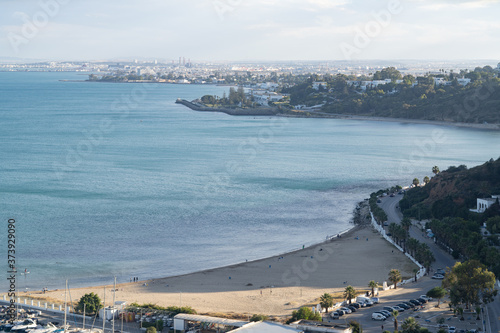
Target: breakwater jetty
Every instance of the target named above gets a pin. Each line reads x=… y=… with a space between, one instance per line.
x=233 y=112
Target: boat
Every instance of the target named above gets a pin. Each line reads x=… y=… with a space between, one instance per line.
x=25 y=325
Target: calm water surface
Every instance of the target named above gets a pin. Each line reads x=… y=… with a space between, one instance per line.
x=111 y=179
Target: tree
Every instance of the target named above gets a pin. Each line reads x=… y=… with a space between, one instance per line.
x=437 y=292
x=395 y=277
x=304 y=313
x=326 y=301
x=258 y=317
x=426 y=180
x=151 y=329
x=416 y=181
x=435 y=169
x=406 y=223
x=470 y=283
x=355 y=327
x=92 y=303
x=395 y=314
x=410 y=325
x=372 y=284
x=350 y=293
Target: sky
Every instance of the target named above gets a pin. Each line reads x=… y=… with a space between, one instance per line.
x=246 y=30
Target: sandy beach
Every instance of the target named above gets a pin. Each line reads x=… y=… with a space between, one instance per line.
x=274 y=286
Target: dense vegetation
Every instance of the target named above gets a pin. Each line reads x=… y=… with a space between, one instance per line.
x=446 y=201
x=170 y=309
x=476 y=102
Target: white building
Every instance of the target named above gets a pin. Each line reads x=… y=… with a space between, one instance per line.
x=264 y=97
x=484 y=204
x=271 y=86
x=463 y=81
x=265 y=327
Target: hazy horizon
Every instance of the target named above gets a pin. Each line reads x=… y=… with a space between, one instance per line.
x=260 y=31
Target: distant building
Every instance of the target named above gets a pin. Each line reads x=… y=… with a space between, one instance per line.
x=463 y=81
x=484 y=204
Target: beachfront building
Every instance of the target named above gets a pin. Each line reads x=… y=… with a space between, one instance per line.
x=484 y=204
x=265 y=327
x=317 y=326
x=182 y=320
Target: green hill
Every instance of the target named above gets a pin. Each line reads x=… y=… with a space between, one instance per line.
x=453 y=192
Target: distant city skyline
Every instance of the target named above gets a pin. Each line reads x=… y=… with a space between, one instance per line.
x=258 y=30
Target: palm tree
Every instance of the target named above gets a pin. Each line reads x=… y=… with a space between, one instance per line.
x=372 y=284
x=395 y=314
x=435 y=169
x=395 y=277
x=350 y=293
x=410 y=325
x=406 y=223
x=426 y=180
x=326 y=301
x=416 y=181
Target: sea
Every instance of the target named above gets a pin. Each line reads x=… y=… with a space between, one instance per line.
x=110 y=180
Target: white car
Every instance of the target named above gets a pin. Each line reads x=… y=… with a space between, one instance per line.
x=378 y=316
x=427 y=298
x=438 y=276
x=452 y=329
x=345 y=309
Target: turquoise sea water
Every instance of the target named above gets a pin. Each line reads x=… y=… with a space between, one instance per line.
x=111 y=179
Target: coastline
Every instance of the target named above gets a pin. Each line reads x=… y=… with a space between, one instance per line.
x=275 y=285
x=316 y=114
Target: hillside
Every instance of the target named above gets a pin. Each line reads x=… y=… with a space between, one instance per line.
x=453 y=192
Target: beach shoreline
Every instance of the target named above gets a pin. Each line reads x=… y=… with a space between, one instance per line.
x=275 y=285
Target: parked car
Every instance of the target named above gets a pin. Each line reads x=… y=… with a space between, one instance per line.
x=356 y=305
x=422 y=300
x=341 y=312
x=392 y=195
x=334 y=315
x=411 y=305
x=426 y=297
x=388 y=308
x=378 y=316
x=452 y=329
x=404 y=306
x=399 y=309
x=415 y=302
x=438 y=276
x=352 y=308
x=346 y=309
x=386 y=313
x=440 y=271
x=375 y=300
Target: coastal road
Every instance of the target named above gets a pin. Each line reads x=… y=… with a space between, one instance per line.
x=390 y=205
